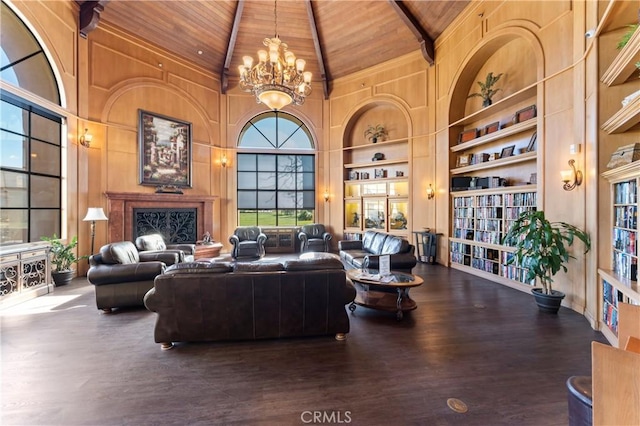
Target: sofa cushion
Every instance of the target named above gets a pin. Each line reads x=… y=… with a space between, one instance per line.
x=199 y=268
x=151 y=242
x=394 y=245
x=312 y=264
x=377 y=242
x=351 y=255
x=257 y=267
x=367 y=239
x=122 y=252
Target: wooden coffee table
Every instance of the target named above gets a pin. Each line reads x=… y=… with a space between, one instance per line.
x=390 y=293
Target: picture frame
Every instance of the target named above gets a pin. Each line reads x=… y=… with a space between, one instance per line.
x=464 y=160
x=507 y=151
x=493 y=127
x=380 y=173
x=532 y=142
x=165 y=149
x=525 y=114
x=467 y=135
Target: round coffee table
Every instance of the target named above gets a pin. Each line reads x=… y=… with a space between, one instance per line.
x=385 y=293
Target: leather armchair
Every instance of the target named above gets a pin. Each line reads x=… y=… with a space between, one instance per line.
x=155 y=243
x=247 y=241
x=122 y=275
x=314 y=237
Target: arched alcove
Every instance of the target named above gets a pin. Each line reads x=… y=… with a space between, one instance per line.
x=375 y=113
x=514 y=52
x=493 y=152
x=377 y=175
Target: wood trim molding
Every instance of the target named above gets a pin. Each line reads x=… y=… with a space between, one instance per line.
x=231 y=46
x=426 y=42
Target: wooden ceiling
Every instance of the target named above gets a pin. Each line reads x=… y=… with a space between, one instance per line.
x=335 y=37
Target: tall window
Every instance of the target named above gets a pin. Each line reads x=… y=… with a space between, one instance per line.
x=30 y=139
x=276 y=188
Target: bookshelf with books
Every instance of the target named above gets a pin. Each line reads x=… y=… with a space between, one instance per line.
x=480 y=221
x=619 y=279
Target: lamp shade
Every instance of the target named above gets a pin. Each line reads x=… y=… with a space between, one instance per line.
x=95 y=213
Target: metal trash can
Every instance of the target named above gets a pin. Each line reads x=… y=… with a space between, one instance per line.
x=580 y=401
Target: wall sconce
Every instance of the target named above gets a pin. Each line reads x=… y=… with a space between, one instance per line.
x=571 y=178
x=93 y=214
x=223 y=161
x=430 y=193
x=86 y=138
x=326 y=196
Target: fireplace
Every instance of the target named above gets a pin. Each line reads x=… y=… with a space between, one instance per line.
x=181 y=218
x=176 y=225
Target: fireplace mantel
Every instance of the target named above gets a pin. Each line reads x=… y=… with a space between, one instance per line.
x=122 y=204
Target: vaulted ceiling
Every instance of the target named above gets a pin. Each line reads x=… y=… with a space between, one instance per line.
x=335 y=37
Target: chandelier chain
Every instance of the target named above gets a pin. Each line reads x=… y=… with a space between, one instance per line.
x=275 y=17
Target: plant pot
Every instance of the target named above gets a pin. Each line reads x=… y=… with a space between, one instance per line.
x=486 y=102
x=549 y=303
x=374 y=140
x=62 y=277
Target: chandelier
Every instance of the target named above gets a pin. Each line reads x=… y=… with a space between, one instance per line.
x=278 y=78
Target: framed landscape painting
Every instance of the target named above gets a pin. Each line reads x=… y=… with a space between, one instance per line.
x=165 y=150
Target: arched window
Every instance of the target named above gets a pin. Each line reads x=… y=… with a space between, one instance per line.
x=276 y=178
x=30 y=139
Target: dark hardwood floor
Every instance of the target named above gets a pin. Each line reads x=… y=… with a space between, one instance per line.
x=64 y=363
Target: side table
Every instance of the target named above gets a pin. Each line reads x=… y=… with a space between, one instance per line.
x=207 y=250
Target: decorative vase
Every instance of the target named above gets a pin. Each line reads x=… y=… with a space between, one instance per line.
x=62 y=278
x=486 y=102
x=549 y=303
x=374 y=139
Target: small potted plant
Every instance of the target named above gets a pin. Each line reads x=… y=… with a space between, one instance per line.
x=486 y=89
x=542 y=248
x=373 y=133
x=62 y=257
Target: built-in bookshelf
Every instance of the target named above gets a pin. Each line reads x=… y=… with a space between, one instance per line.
x=376 y=179
x=481 y=218
x=618 y=281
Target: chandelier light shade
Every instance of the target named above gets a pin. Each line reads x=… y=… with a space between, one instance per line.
x=278 y=79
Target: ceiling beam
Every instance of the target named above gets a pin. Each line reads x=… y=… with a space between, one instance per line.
x=90 y=16
x=316 y=43
x=426 y=43
x=231 y=46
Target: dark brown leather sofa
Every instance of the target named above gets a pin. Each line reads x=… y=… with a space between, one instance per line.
x=204 y=301
x=122 y=275
x=366 y=253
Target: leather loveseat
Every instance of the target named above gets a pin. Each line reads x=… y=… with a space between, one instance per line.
x=203 y=301
x=155 y=243
x=366 y=253
x=122 y=276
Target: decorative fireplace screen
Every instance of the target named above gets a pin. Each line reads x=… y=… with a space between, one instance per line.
x=176 y=225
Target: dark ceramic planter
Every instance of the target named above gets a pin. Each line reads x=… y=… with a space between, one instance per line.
x=549 y=303
x=62 y=278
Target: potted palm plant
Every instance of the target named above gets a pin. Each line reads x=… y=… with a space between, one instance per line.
x=62 y=257
x=542 y=248
x=374 y=133
x=486 y=89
